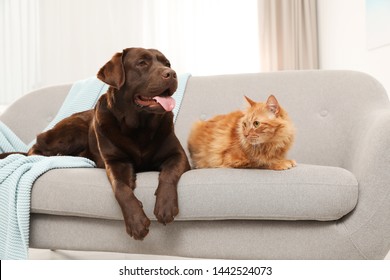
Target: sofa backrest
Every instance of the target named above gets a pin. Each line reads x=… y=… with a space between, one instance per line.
x=328 y=108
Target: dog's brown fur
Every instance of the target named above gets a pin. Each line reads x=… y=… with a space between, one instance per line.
x=128 y=132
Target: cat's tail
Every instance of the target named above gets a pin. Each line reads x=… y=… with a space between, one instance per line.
x=4 y=155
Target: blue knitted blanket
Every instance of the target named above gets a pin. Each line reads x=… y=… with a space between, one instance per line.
x=18 y=172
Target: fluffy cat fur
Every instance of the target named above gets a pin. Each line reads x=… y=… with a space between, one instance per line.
x=256 y=138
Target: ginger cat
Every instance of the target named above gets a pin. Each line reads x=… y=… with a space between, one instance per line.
x=256 y=138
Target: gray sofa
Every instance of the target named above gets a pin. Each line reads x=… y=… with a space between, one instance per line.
x=334 y=205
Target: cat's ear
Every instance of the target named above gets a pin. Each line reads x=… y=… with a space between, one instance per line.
x=250 y=101
x=273 y=105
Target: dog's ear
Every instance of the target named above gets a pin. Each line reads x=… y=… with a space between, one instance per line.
x=113 y=72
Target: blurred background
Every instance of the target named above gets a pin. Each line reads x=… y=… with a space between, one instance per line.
x=46 y=42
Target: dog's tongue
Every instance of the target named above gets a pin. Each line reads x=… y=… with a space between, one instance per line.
x=168 y=103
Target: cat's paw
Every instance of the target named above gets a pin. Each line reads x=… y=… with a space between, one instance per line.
x=283 y=165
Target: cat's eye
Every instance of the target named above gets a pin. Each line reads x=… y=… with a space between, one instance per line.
x=256 y=124
x=244 y=124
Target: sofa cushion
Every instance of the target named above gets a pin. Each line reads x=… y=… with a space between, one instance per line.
x=306 y=192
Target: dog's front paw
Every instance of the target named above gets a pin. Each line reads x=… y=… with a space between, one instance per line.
x=138 y=228
x=137 y=224
x=166 y=208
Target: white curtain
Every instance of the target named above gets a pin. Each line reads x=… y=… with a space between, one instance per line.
x=74 y=38
x=288 y=34
x=19 y=48
x=206 y=37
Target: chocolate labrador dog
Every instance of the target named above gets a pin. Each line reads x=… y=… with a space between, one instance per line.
x=130 y=130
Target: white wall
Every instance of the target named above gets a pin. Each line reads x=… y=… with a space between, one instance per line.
x=342 y=40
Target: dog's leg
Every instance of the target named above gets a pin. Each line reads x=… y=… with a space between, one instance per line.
x=122 y=177
x=166 y=207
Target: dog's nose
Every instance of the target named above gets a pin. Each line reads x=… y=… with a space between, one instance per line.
x=169 y=74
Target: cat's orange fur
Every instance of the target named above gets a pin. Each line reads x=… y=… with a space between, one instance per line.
x=256 y=138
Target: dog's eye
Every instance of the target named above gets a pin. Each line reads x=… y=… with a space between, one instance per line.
x=142 y=63
x=168 y=64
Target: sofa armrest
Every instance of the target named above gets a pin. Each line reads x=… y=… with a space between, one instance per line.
x=369 y=224
x=40 y=105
